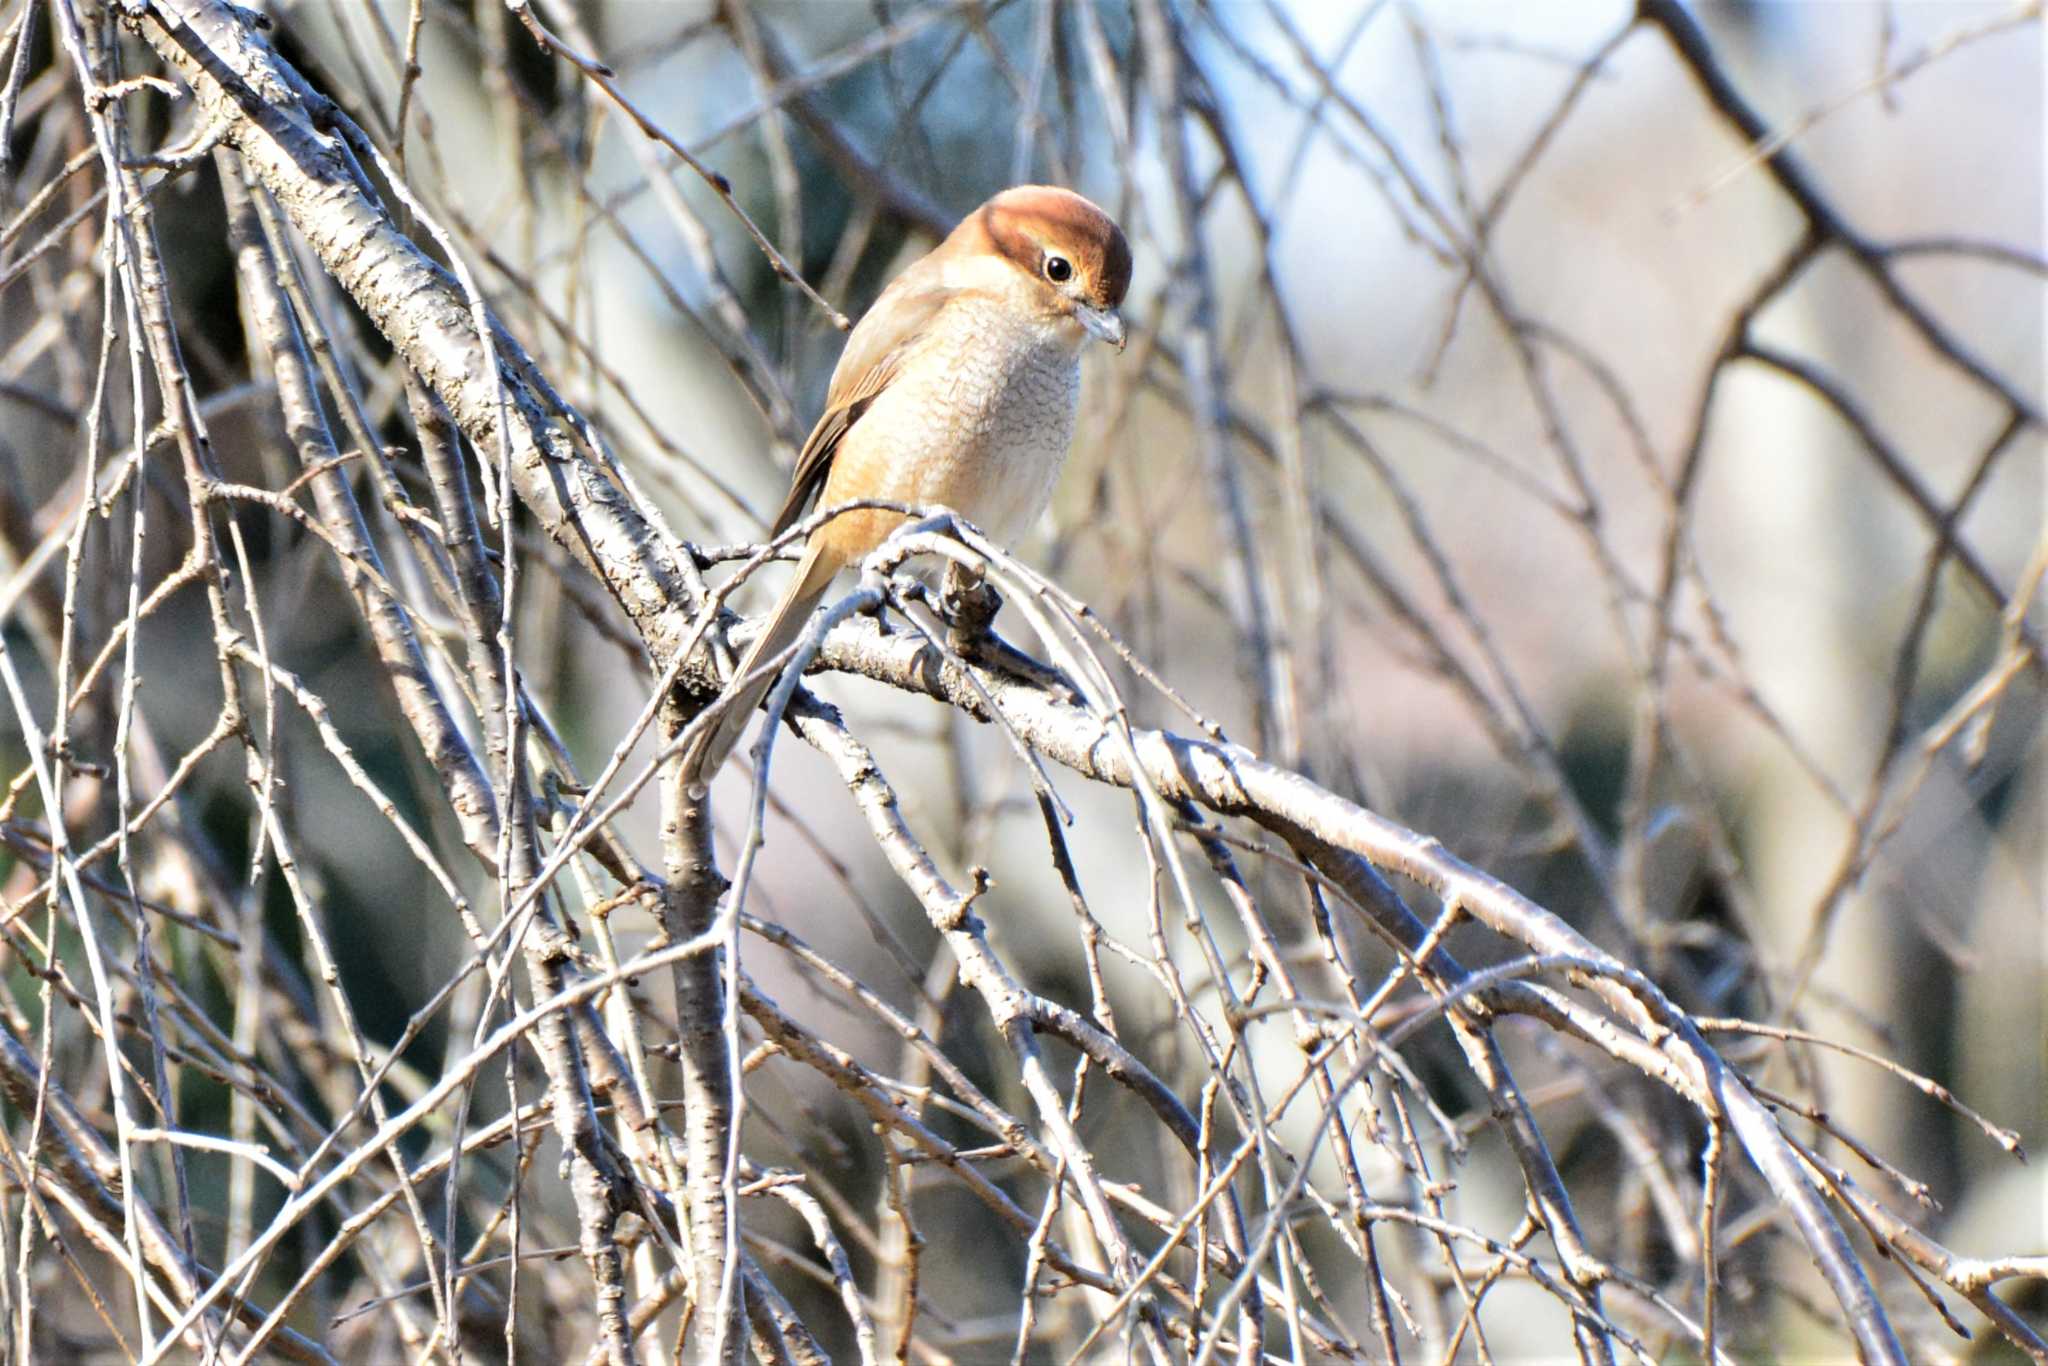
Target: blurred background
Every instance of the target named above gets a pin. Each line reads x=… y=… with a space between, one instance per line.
x=1507 y=442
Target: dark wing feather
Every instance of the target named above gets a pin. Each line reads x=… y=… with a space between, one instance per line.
x=874 y=353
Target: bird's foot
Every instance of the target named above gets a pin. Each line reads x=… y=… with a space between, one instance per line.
x=969 y=603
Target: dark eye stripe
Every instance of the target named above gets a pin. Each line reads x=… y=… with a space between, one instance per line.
x=1018 y=222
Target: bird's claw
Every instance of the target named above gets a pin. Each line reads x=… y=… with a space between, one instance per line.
x=969 y=603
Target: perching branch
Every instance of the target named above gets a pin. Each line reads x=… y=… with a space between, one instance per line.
x=1482 y=731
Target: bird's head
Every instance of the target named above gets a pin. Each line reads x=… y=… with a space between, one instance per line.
x=1072 y=256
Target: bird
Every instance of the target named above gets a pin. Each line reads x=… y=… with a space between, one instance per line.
x=957 y=390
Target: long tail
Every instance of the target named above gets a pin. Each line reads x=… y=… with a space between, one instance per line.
x=814 y=572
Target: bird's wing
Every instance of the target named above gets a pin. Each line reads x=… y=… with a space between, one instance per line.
x=874 y=354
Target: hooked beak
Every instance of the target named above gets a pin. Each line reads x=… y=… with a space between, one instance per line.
x=1103 y=324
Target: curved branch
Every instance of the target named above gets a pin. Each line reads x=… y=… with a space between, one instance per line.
x=1231 y=781
x=284 y=132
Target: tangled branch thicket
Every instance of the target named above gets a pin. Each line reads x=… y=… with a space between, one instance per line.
x=1603 y=450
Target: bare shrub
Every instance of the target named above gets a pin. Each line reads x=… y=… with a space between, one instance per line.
x=1505 y=813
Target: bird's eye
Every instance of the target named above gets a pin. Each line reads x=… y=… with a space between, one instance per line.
x=1058 y=269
